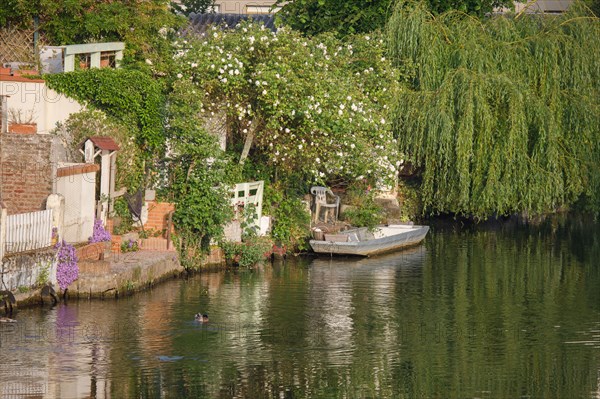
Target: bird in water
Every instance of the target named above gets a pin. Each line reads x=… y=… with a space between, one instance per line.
x=7 y=320
x=202 y=318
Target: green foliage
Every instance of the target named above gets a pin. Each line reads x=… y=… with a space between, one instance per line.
x=313 y=17
x=348 y=17
x=365 y=212
x=187 y=7
x=130 y=97
x=502 y=115
x=291 y=220
x=149 y=233
x=475 y=7
x=199 y=183
x=130 y=246
x=87 y=123
x=43 y=275
x=249 y=221
x=310 y=107
x=121 y=211
x=248 y=253
x=144 y=26
x=410 y=201
x=594 y=5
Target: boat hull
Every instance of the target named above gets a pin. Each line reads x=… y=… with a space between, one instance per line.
x=386 y=239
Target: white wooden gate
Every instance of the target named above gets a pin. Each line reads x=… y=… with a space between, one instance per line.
x=249 y=193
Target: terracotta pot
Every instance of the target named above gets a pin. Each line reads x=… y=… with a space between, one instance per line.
x=22 y=72
x=4 y=71
x=22 y=128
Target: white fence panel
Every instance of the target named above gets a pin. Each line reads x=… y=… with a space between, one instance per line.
x=249 y=193
x=28 y=231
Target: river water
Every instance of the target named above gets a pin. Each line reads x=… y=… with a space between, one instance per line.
x=495 y=311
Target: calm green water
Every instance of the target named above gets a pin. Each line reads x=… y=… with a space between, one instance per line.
x=494 y=312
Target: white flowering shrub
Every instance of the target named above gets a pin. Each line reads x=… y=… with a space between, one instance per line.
x=317 y=106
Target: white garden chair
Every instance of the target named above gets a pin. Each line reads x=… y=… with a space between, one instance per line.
x=321 y=202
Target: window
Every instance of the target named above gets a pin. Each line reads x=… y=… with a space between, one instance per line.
x=108 y=59
x=85 y=61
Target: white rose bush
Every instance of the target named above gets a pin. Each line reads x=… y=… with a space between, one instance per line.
x=314 y=107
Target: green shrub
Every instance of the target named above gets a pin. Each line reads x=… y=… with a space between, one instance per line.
x=291 y=221
x=365 y=212
x=121 y=211
x=130 y=246
x=247 y=253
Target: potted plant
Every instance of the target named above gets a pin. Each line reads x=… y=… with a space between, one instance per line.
x=21 y=122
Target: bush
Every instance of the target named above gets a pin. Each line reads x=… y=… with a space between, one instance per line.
x=130 y=246
x=67 y=269
x=291 y=221
x=365 y=212
x=99 y=233
x=248 y=253
x=121 y=210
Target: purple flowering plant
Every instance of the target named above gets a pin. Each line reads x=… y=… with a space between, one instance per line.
x=130 y=246
x=67 y=269
x=100 y=234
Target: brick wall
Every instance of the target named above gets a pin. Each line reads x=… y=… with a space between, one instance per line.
x=157 y=215
x=25 y=171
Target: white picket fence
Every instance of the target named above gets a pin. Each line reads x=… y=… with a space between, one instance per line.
x=28 y=231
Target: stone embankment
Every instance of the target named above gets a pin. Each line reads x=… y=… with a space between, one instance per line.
x=118 y=273
x=124 y=273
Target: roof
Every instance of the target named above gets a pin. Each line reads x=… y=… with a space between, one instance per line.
x=200 y=23
x=104 y=143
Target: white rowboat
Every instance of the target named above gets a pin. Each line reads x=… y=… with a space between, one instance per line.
x=362 y=242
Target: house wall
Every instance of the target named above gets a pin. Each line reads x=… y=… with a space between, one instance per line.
x=32 y=96
x=240 y=6
x=547 y=6
x=26 y=171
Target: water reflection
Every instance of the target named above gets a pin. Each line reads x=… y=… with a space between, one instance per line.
x=492 y=312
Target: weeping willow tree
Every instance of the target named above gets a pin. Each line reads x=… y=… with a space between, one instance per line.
x=500 y=115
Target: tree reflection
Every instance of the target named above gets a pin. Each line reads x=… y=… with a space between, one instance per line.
x=501 y=311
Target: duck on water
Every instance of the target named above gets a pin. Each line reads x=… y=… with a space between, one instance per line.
x=202 y=318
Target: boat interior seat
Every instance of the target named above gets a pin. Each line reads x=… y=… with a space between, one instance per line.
x=353 y=237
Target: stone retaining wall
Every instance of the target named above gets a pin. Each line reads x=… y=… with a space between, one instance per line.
x=124 y=273
x=23 y=271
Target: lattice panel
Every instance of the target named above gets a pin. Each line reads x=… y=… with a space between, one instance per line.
x=17 y=46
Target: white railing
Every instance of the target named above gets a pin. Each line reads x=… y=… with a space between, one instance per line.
x=28 y=231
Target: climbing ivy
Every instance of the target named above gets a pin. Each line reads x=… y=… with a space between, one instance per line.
x=130 y=97
x=501 y=115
